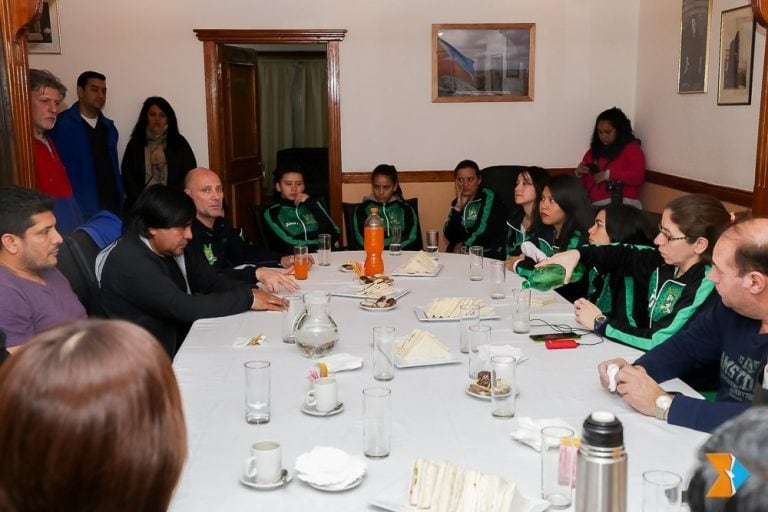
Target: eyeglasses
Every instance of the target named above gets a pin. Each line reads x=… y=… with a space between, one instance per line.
x=670 y=238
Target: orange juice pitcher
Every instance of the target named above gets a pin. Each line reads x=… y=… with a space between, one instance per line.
x=374 y=243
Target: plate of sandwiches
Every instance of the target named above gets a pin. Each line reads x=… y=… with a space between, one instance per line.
x=421 y=265
x=422 y=348
x=444 y=487
x=448 y=309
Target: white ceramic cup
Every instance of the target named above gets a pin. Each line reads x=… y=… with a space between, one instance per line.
x=324 y=394
x=265 y=465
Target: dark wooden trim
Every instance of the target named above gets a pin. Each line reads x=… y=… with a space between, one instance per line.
x=424 y=176
x=760 y=196
x=689 y=186
x=211 y=38
x=15 y=16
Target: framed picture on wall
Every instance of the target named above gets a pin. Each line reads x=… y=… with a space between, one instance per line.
x=737 y=51
x=43 y=35
x=482 y=62
x=694 y=54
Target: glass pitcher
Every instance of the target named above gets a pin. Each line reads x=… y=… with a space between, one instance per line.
x=316 y=332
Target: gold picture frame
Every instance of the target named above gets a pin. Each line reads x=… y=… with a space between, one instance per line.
x=737 y=55
x=44 y=35
x=483 y=62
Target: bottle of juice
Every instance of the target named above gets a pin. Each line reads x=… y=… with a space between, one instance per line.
x=551 y=276
x=373 y=242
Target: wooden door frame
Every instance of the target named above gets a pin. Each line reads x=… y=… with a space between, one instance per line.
x=212 y=38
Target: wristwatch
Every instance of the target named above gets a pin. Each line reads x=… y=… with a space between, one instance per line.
x=600 y=322
x=663 y=403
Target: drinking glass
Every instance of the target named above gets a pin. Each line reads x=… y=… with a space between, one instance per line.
x=469 y=315
x=433 y=243
x=503 y=386
x=290 y=317
x=324 y=249
x=558 y=457
x=383 y=353
x=498 y=279
x=376 y=422
x=257 y=391
x=478 y=335
x=662 y=491
x=476 y=263
x=395 y=239
x=521 y=319
x=300 y=262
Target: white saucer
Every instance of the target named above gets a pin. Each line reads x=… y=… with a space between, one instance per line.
x=310 y=409
x=485 y=397
x=331 y=488
x=375 y=308
x=266 y=487
x=342 y=269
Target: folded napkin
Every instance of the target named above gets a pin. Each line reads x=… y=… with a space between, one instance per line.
x=486 y=352
x=341 y=362
x=329 y=467
x=529 y=430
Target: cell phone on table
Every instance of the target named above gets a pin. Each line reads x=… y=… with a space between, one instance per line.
x=555 y=336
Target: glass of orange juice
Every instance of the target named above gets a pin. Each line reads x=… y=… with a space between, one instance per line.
x=300 y=262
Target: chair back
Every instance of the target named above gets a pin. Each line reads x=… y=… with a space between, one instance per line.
x=349 y=225
x=502 y=179
x=77 y=261
x=262 y=240
x=418 y=245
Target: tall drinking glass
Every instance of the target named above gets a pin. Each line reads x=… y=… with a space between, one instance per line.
x=433 y=243
x=395 y=239
x=469 y=315
x=476 y=263
x=503 y=386
x=498 y=279
x=383 y=353
x=558 y=457
x=257 y=391
x=324 y=249
x=521 y=319
x=376 y=422
x=662 y=491
x=300 y=262
x=478 y=335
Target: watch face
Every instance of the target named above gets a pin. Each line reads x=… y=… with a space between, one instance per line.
x=664 y=401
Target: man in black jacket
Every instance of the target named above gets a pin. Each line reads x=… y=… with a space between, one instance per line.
x=149 y=278
x=224 y=247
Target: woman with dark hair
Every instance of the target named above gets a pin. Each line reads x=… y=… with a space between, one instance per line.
x=476 y=216
x=296 y=218
x=528 y=189
x=565 y=215
x=156 y=153
x=92 y=420
x=388 y=198
x=614 y=159
x=614 y=293
x=675 y=272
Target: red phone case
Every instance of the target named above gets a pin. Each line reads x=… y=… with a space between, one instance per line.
x=558 y=344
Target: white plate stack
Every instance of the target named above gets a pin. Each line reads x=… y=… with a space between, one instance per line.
x=330 y=469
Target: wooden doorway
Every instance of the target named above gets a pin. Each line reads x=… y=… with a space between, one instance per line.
x=239 y=185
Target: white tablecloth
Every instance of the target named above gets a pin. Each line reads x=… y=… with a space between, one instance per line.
x=432 y=415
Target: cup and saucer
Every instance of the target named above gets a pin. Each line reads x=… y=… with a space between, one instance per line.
x=264 y=469
x=322 y=399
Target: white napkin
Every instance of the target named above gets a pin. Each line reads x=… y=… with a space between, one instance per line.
x=486 y=352
x=329 y=467
x=342 y=361
x=529 y=430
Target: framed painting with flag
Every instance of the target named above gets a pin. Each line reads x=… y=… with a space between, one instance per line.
x=482 y=62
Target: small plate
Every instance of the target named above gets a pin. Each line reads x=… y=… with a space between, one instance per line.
x=310 y=409
x=401 y=273
x=287 y=476
x=331 y=488
x=374 y=308
x=485 y=397
x=422 y=316
x=353 y=292
x=425 y=362
x=344 y=268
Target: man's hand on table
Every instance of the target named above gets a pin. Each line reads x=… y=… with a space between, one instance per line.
x=264 y=300
x=634 y=385
x=273 y=278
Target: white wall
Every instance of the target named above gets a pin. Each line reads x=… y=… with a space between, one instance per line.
x=586 y=61
x=689 y=134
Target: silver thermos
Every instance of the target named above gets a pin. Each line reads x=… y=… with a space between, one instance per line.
x=601 y=467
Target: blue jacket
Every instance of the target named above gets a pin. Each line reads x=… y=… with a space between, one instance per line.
x=74 y=147
x=717 y=338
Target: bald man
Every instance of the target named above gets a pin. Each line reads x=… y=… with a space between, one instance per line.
x=225 y=247
x=733 y=335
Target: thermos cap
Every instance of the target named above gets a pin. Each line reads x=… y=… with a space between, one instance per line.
x=603 y=430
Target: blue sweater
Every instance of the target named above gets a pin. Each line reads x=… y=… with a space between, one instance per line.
x=70 y=134
x=717 y=336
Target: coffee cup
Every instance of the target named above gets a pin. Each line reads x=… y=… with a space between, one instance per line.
x=265 y=465
x=323 y=396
